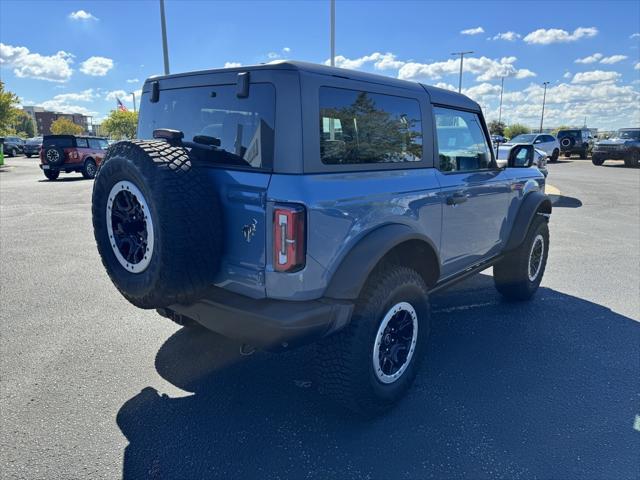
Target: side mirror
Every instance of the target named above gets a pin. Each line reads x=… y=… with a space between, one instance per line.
x=521 y=156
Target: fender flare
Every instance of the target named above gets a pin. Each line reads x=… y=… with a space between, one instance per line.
x=533 y=203
x=354 y=270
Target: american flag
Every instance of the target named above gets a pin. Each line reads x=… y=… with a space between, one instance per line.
x=121 y=106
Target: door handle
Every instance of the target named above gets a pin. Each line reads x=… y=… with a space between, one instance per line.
x=456 y=199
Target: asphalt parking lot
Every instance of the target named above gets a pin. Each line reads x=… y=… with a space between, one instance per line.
x=92 y=387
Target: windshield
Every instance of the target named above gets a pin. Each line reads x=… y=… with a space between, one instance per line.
x=629 y=134
x=523 y=139
x=244 y=126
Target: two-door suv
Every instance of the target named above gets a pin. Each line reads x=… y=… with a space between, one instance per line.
x=288 y=203
x=579 y=141
x=70 y=153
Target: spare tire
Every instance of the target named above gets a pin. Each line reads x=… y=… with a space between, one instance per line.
x=157 y=223
x=54 y=155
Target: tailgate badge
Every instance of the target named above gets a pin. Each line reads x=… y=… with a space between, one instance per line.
x=249 y=230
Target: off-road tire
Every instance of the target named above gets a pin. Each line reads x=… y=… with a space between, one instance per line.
x=185 y=213
x=554 y=155
x=344 y=361
x=511 y=274
x=51 y=174
x=583 y=154
x=567 y=154
x=597 y=160
x=89 y=169
x=60 y=158
x=28 y=155
x=633 y=160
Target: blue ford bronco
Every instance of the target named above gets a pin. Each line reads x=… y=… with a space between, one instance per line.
x=290 y=203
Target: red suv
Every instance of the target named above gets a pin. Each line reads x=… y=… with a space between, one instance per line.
x=69 y=153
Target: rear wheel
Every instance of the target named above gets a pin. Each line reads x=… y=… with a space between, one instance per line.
x=90 y=169
x=52 y=174
x=28 y=155
x=583 y=154
x=567 y=154
x=597 y=160
x=368 y=366
x=518 y=275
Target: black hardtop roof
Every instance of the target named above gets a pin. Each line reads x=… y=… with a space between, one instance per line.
x=71 y=136
x=438 y=95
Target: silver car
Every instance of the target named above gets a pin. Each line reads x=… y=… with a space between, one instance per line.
x=541 y=141
x=539 y=158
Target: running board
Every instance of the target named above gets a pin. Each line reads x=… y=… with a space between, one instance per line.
x=473 y=269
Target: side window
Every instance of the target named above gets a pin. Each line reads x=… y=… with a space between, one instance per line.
x=359 y=127
x=82 y=143
x=94 y=144
x=462 y=145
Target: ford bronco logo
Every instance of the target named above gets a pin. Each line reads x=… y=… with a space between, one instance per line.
x=249 y=230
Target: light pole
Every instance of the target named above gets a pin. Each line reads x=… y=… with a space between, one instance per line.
x=165 y=48
x=333 y=32
x=544 y=98
x=501 y=90
x=133 y=94
x=462 y=54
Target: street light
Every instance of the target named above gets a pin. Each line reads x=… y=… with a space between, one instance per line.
x=165 y=48
x=333 y=33
x=501 y=90
x=133 y=94
x=544 y=98
x=462 y=54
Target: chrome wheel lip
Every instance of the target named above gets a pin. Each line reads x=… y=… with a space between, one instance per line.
x=535 y=257
x=391 y=313
x=142 y=265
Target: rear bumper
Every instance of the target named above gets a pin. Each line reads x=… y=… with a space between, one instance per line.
x=65 y=167
x=265 y=323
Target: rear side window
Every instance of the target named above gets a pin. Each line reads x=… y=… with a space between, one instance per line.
x=362 y=127
x=98 y=144
x=62 y=142
x=462 y=145
x=244 y=126
x=82 y=143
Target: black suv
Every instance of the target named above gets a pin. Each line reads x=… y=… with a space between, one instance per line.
x=13 y=146
x=625 y=145
x=578 y=141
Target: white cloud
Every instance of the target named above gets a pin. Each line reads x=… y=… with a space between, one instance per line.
x=113 y=94
x=566 y=75
x=286 y=50
x=381 y=61
x=65 y=102
x=636 y=66
x=485 y=68
x=544 y=36
x=508 y=36
x=613 y=59
x=472 y=31
x=132 y=80
x=590 y=59
x=232 y=64
x=54 y=68
x=634 y=35
x=595 y=76
x=81 y=15
x=96 y=66
x=273 y=55
x=84 y=96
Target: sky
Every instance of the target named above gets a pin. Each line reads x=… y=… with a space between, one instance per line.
x=78 y=56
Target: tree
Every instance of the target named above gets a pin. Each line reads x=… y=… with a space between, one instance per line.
x=64 y=126
x=121 y=124
x=516 y=129
x=23 y=124
x=496 y=127
x=8 y=110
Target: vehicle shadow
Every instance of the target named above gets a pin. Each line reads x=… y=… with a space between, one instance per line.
x=547 y=388
x=63 y=180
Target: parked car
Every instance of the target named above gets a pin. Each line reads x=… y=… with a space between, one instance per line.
x=32 y=146
x=497 y=139
x=69 y=153
x=540 y=141
x=578 y=141
x=625 y=145
x=13 y=145
x=539 y=158
x=289 y=203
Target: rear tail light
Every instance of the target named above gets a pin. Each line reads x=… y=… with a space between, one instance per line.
x=289 y=234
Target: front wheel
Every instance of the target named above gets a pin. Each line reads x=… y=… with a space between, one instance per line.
x=368 y=366
x=583 y=154
x=597 y=160
x=518 y=275
x=567 y=155
x=555 y=155
x=633 y=160
x=28 y=155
